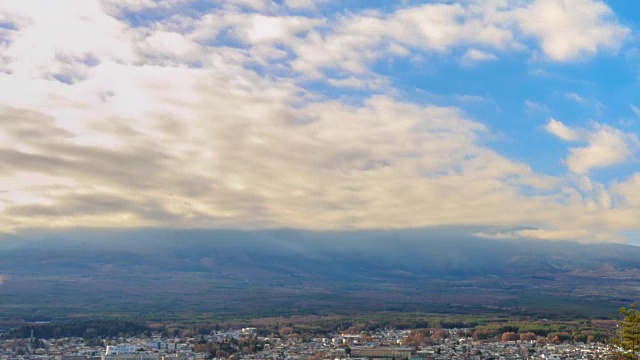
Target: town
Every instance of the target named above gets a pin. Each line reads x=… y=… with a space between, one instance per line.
x=249 y=343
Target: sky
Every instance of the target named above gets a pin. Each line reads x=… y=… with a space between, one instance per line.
x=518 y=116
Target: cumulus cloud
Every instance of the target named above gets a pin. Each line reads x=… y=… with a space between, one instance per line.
x=268 y=29
x=606 y=146
x=562 y=131
x=430 y=27
x=564 y=30
x=472 y=56
x=570 y=29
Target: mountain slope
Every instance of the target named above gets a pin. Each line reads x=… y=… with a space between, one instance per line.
x=224 y=272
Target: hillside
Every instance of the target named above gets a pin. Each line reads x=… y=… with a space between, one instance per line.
x=169 y=273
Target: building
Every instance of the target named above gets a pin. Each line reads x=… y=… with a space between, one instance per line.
x=381 y=352
x=120 y=349
x=126 y=352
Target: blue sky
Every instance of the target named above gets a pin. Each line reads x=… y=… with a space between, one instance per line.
x=522 y=116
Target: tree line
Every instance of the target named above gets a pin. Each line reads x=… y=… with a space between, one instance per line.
x=88 y=329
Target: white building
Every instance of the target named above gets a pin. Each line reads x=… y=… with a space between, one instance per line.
x=120 y=349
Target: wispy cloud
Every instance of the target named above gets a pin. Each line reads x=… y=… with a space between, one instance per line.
x=575 y=98
x=533 y=107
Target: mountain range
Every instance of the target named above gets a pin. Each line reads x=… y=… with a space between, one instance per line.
x=166 y=273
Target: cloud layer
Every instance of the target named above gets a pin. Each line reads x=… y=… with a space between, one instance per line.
x=157 y=113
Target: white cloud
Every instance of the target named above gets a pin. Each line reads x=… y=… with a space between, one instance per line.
x=128 y=5
x=567 y=30
x=472 y=56
x=533 y=107
x=356 y=40
x=303 y=4
x=360 y=39
x=575 y=98
x=606 y=146
x=358 y=83
x=63 y=42
x=564 y=235
x=277 y=29
x=441 y=26
x=570 y=29
x=627 y=191
x=562 y=131
x=168 y=47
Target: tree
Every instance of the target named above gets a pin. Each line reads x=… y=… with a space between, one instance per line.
x=508 y=336
x=527 y=336
x=628 y=338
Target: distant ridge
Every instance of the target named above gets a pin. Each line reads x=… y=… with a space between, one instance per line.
x=255 y=273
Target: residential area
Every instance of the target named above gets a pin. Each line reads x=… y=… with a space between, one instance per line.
x=247 y=343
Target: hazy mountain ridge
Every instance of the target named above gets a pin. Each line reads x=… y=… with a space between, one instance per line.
x=287 y=270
